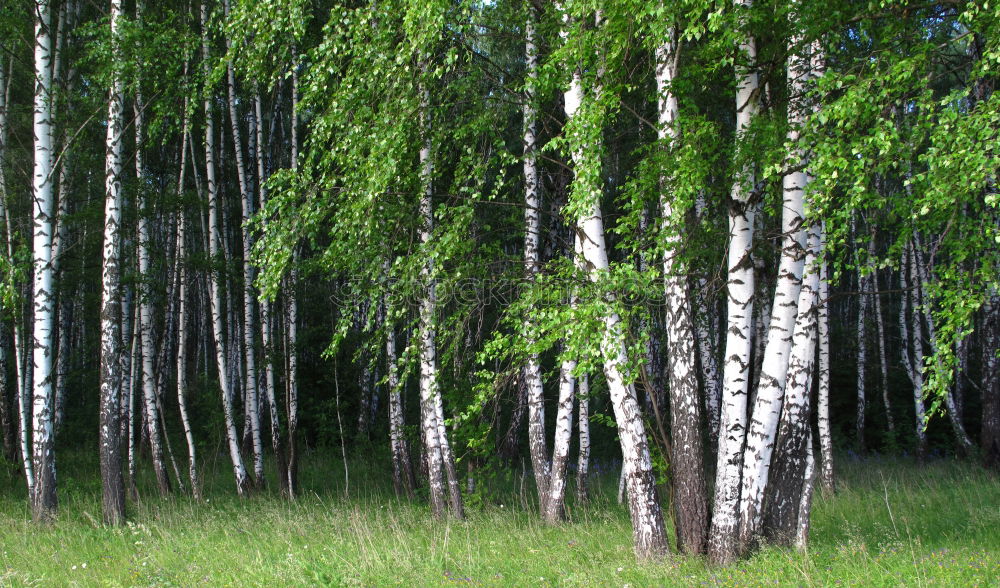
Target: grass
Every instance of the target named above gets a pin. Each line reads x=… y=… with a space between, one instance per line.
x=891 y=523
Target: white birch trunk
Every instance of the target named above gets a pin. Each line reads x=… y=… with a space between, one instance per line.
x=43 y=498
x=648 y=532
x=736 y=371
x=182 y=316
x=532 y=210
x=555 y=498
x=823 y=388
x=292 y=315
x=882 y=355
x=583 y=426
x=112 y=480
x=215 y=246
x=146 y=317
x=430 y=396
x=862 y=361
x=252 y=403
x=791 y=469
x=774 y=368
x=965 y=444
x=686 y=462
x=912 y=345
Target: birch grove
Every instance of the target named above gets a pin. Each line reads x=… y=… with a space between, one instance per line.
x=546 y=246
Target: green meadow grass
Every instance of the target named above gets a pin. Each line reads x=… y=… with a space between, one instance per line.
x=891 y=523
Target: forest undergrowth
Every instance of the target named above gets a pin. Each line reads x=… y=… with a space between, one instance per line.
x=890 y=523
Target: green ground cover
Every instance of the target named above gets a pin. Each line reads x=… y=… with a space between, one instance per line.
x=891 y=523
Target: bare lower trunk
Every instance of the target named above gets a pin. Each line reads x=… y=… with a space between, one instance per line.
x=989 y=441
x=791 y=469
x=583 y=425
x=402 y=470
x=883 y=358
x=912 y=346
x=862 y=361
x=823 y=388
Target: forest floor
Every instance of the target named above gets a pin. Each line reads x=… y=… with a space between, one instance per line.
x=890 y=523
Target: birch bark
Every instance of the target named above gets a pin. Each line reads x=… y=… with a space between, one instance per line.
x=112 y=480
x=648 y=532
x=774 y=368
x=43 y=496
x=687 y=460
x=722 y=546
x=215 y=247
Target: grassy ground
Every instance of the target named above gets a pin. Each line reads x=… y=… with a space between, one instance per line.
x=891 y=523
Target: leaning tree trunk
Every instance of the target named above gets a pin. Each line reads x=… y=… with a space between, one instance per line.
x=791 y=475
x=774 y=368
x=43 y=498
x=112 y=480
x=215 y=247
x=686 y=463
x=555 y=499
x=965 y=445
x=722 y=545
x=648 y=532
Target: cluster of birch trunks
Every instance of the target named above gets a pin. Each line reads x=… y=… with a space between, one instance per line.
x=748 y=389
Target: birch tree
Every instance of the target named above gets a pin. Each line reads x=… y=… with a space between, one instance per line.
x=688 y=478
x=648 y=533
x=43 y=494
x=112 y=480
x=215 y=250
x=722 y=546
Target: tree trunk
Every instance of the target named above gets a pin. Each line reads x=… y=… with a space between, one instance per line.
x=648 y=532
x=912 y=345
x=722 y=546
x=774 y=368
x=402 y=469
x=555 y=498
x=249 y=296
x=687 y=461
x=862 y=361
x=146 y=309
x=791 y=470
x=823 y=387
x=583 y=425
x=112 y=480
x=435 y=442
x=990 y=433
x=43 y=498
x=532 y=208
x=182 y=316
x=215 y=246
